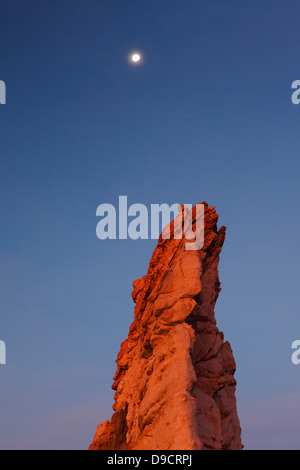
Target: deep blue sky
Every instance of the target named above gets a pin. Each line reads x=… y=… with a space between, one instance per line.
x=208 y=116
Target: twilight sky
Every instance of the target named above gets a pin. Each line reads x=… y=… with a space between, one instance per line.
x=206 y=116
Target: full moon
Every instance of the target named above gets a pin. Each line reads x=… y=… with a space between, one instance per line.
x=135 y=57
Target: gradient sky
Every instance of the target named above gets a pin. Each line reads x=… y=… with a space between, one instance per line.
x=207 y=116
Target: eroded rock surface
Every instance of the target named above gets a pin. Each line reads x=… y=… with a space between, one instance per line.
x=175 y=386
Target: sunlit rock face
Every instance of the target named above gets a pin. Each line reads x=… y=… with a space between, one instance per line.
x=175 y=386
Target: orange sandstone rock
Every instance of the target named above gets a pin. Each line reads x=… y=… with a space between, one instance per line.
x=175 y=386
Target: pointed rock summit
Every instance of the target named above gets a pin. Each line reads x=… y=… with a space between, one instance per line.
x=175 y=386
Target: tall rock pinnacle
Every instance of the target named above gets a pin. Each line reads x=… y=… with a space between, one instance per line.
x=175 y=386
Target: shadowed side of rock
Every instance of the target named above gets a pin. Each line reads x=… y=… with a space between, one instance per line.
x=174 y=384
